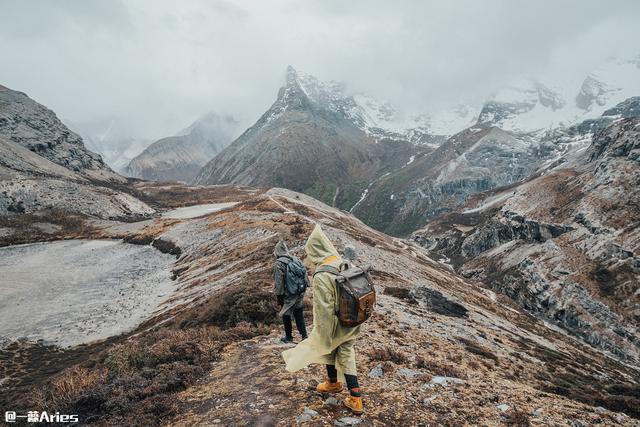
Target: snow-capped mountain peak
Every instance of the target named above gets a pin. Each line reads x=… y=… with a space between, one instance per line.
x=529 y=106
x=376 y=118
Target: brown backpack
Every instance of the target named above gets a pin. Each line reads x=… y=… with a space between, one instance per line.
x=356 y=293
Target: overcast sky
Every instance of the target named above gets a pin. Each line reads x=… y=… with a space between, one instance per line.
x=159 y=64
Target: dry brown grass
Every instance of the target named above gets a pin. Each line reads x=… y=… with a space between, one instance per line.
x=440 y=367
x=73 y=383
x=69 y=226
x=386 y=354
x=133 y=382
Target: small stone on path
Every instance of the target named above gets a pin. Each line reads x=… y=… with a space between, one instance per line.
x=347 y=421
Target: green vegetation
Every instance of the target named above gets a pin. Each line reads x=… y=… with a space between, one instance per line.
x=323 y=191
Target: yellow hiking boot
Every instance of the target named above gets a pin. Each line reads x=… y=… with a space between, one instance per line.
x=329 y=387
x=355 y=404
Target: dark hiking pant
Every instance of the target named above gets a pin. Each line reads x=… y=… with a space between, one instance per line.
x=298 y=315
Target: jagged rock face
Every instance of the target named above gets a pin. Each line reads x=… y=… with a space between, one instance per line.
x=45 y=166
x=470 y=162
x=530 y=107
x=622 y=139
x=180 y=158
x=514 y=101
x=509 y=227
x=35 y=127
x=308 y=142
x=626 y=109
x=564 y=245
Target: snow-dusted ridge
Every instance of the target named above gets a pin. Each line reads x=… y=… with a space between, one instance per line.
x=524 y=105
x=375 y=117
x=527 y=105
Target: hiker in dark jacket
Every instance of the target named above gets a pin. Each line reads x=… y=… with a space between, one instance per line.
x=289 y=304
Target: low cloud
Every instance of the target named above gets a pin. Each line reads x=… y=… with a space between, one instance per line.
x=158 y=64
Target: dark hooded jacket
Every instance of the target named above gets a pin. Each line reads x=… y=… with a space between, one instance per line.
x=288 y=302
x=279 y=268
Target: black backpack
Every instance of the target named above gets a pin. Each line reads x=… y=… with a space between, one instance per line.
x=295 y=277
x=356 y=293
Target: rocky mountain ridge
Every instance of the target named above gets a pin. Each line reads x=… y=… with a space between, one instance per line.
x=563 y=244
x=529 y=125
x=309 y=142
x=45 y=166
x=35 y=127
x=180 y=157
x=478 y=159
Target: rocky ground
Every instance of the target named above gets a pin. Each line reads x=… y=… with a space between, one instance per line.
x=440 y=350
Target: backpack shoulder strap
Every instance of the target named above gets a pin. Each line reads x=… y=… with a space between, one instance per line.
x=327 y=269
x=284 y=259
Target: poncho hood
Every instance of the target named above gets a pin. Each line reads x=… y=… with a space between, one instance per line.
x=280 y=249
x=319 y=247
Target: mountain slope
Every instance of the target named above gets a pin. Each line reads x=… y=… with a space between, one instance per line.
x=564 y=244
x=307 y=141
x=44 y=166
x=180 y=157
x=478 y=159
x=35 y=127
x=472 y=161
x=452 y=351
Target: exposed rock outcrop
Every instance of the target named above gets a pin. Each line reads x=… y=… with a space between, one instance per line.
x=33 y=126
x=44 y=165
x=475 y=160
x=563 y=245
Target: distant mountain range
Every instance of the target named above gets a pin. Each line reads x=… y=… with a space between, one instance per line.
x=312 y=139
x=529 y=106
x=361 y=155
x=394 y=170
x=180 y=157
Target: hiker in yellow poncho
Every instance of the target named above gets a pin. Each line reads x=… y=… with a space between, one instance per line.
x=329 y=343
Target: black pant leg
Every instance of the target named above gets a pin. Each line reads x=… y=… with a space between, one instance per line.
x=288 y=329
x=332 y=373
x=298 y=314
x=352 y=383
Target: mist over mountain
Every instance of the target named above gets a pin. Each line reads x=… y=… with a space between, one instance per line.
x=161 y=64
x=180 y=157
x=114 y=138
x=322 y=129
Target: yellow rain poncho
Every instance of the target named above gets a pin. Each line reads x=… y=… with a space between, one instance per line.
x=329 y=343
